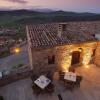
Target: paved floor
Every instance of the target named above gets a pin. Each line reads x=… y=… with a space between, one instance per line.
x=89 y=90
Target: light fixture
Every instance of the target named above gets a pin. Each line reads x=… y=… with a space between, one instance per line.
x=80 y=49
x=17 y=50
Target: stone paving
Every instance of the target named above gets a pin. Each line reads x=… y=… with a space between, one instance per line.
x=89 y=90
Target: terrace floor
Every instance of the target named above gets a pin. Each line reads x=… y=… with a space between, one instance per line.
x=89 y=90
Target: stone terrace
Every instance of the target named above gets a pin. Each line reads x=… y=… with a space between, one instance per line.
x=89 y=90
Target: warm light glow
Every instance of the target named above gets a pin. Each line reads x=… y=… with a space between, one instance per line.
x=80 y=49
x=67 y=70
x=17 y=50
x=87 y=66
x=87 y=56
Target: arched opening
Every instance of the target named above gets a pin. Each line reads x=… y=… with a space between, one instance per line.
x=75 y=57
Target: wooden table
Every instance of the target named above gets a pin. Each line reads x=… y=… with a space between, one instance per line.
x=42 y=81
x=70 y=76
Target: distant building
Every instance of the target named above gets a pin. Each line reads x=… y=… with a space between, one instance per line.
x=6 y=42
x=53 y=47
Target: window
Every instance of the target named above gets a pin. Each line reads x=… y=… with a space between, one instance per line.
x=51 y=59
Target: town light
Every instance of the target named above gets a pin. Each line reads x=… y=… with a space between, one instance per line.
x=17 y=50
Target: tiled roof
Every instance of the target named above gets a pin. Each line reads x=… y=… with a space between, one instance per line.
x=44 y=35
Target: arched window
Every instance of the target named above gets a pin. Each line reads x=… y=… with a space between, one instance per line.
x=51 y=59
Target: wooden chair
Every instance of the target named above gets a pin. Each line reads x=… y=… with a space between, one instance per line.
x=61 y=75
x=49 y=75
x=69 y=86
x=72 y=69
x=50 y=88
x=36 y=89
x=78 y=80
x=34 y=77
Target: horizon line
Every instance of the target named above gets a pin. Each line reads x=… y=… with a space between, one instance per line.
x=52 y=10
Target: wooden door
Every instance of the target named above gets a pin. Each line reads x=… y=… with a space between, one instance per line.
x=75 y=57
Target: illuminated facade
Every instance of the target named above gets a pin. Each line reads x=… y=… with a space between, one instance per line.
x=52 y=48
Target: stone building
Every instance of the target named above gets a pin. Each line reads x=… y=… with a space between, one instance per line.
x=97 y=50
x=52 y=47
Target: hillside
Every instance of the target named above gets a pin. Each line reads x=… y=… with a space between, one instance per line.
x=26 y=16
x=17 y=19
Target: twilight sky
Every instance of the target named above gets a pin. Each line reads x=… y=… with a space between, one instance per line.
x=67 y=5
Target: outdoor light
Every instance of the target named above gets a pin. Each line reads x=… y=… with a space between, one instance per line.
x=17 y=50
x=80 y=49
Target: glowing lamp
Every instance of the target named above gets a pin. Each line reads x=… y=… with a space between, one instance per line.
x=80 y=49
x=17 y=50
x=67 y=71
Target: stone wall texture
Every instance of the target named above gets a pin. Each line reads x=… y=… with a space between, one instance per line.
x=63 y=56
x=97 y=55
x=15 y=76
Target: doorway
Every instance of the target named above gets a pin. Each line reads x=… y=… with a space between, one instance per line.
x=75 y=58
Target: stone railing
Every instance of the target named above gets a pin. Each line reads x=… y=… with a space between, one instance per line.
x=15 y=75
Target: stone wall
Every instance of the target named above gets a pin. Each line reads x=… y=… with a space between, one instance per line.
x=40 y=60
x=15 y=76
x=63 y=56
x=97 y=55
